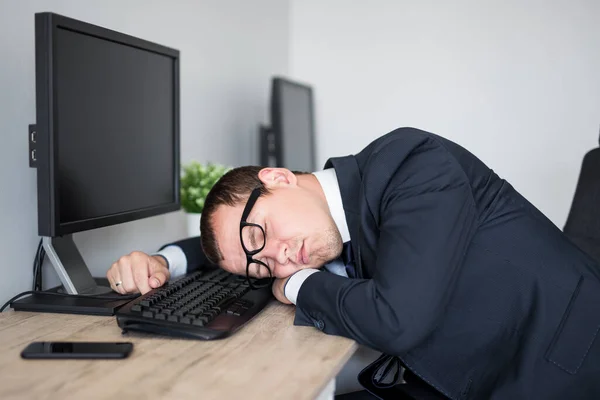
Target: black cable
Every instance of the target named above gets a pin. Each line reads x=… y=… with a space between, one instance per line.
x=38 y=263
x=36 y=266
x=81 y=296
x=38 y=277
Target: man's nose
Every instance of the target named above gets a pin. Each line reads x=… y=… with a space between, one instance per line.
x=279 y=253
x=284 y=265
x=282 y=253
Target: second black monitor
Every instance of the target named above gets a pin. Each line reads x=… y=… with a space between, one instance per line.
x=292 y=125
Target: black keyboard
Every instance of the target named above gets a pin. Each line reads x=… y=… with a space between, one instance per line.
x=206 y=305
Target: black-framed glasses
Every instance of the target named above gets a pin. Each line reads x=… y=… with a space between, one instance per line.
x=253 y=240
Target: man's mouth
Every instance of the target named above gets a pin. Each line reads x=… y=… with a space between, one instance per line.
x=302 y=257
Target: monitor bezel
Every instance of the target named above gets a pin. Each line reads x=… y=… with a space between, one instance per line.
x=46 y=26
x=278 y=83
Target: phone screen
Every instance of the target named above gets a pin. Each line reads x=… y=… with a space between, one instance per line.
x=77 y=350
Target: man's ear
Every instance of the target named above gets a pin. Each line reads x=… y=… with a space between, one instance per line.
x=277 y=177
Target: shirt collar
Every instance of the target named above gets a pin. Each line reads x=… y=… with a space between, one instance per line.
x=329 y=182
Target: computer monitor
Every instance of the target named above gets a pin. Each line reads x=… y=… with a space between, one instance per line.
x=106 y=141
x=292 y=131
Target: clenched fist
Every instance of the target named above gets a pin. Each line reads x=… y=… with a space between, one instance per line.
x=277 y=289
x=138 y=272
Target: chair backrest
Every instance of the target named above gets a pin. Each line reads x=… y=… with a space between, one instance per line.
x=583 y=222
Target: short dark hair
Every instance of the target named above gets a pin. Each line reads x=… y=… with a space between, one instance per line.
x=232 y=189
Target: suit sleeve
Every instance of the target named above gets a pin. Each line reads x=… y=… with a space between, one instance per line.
x=427 y=218
x=194 y=255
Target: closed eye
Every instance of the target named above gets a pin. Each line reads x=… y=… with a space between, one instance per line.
x=261 y=271
x=266 y=261
x=252 y=238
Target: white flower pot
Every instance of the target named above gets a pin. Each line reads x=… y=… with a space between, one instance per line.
x=193 y=224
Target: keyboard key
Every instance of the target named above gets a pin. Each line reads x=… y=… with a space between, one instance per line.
x=245 y=304
x=136 y=308
x=148 y=314
x=236 y=309
x=161 y=317
x=211 y=275
x=173 y=318
x=209 y=318
x=186 y=320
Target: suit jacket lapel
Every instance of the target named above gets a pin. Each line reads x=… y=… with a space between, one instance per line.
x=349 y=179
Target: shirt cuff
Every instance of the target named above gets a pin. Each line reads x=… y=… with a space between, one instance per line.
x=292 y=286
x=175 y=258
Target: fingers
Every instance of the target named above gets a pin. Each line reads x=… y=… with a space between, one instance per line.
x=128 y=284
x=278 y=292
x=159 y=273
x=112 y=279
x=114 y=276
x=137 y=272
x=157 y=280
x=131 y=273
x=140 y=273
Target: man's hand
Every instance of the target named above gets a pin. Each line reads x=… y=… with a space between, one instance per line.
x=138 y=272
x=277 y=288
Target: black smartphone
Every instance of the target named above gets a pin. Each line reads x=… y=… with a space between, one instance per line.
x=46 y=350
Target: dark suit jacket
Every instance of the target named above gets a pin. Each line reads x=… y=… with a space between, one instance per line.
x=476 y=291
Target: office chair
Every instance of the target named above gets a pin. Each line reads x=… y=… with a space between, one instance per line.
x=583 y=223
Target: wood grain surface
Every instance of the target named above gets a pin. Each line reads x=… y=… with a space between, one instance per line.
x=269 y=358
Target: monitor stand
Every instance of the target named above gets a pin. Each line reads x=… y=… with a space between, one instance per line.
x=78 y=285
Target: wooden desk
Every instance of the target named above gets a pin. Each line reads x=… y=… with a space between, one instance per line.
x=267 y=359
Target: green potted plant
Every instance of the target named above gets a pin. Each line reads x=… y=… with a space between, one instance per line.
x=196 y=181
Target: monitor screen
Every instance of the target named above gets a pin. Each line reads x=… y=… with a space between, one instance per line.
x=114 y=127
x=113 y=132
x=293 y=125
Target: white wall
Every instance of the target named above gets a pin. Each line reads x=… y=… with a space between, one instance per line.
x=516 y=82
x=229 y=50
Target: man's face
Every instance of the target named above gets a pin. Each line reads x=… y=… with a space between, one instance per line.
x=300 y=232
